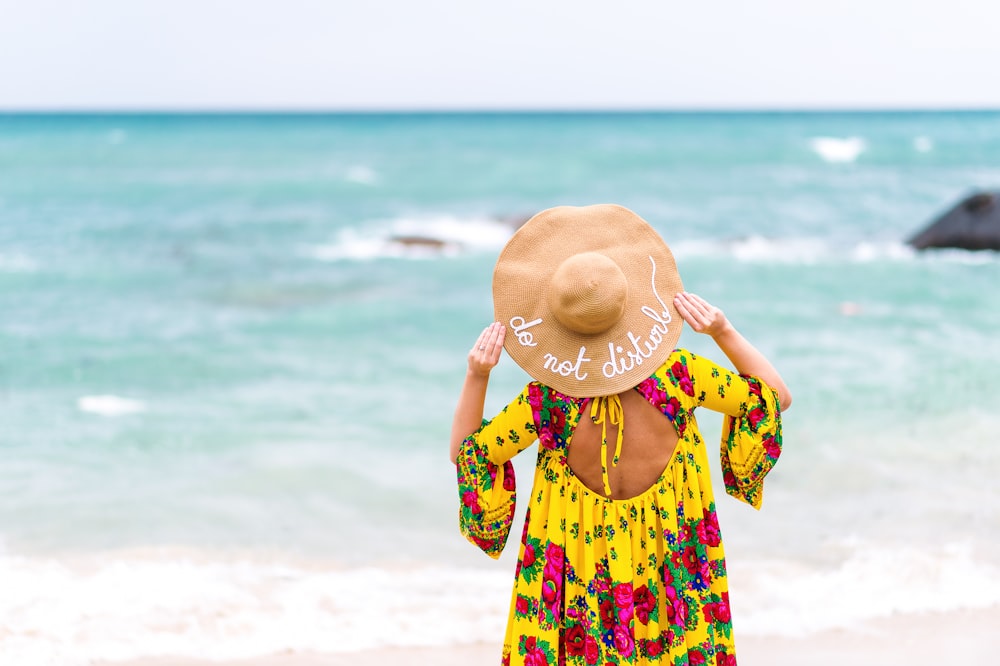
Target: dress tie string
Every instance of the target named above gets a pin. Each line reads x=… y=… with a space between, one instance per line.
x=603 y=409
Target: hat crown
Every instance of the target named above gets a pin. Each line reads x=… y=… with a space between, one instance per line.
x=588 y=293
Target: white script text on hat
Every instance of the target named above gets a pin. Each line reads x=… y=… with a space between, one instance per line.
x=621 y=359
x=619 y=365
x=520 y=330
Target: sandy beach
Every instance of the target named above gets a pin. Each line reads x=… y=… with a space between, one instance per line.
x=968 y=636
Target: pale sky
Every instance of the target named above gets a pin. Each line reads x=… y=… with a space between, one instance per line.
x=543 y=54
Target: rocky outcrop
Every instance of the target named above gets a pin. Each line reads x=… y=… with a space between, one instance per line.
x=973 y=224
x=420 y=241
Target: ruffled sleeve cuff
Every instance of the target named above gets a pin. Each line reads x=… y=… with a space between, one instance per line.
x=751 y=443
x=487 y=496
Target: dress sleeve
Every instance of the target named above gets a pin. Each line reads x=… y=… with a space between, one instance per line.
x=751 y=435
x=486 y=486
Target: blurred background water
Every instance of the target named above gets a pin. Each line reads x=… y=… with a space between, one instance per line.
x=215 y=349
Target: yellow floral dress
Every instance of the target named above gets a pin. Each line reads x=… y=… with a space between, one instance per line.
x=633 y=581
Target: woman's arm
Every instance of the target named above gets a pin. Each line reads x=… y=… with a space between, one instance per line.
x=483 y=357
x=710 y=320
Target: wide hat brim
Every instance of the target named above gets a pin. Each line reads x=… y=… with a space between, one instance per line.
x=579 y=364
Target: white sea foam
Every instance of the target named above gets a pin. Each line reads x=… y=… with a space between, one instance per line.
x=198 y=605
x=126 y=607
x=804 y=250
x=362 y=175
x=415 y=238
x=791 y=599
x=17 y=263
x=109 y=405
x=922 y=144
x=838 y=150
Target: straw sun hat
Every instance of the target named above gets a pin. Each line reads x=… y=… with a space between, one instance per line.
x=586 y=294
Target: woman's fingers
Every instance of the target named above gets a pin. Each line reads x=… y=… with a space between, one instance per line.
x=688 y=311
x=696 y=311
x=486 y=352
x=495 y=344
x=481 y=341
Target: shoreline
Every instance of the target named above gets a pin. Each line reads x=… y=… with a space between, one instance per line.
x=915 y=639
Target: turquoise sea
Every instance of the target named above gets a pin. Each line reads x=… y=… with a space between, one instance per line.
x=226 y=386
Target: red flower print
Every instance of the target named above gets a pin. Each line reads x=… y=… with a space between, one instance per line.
x=680 y=375
x=644 y=602
x=671 y=408
x=554 y=561
x=654 y=648
x=676 y=608
x=729 y=479
x=546 y=440
x=623 y=594
x=771 y=446
x=508 y=477
x=536 y=657
x=691 y=561
x=576 y=641
x=528 y=558
x=675 y=559
x=755 y=416
x=608 y=616
x=624 y=641
x=591 y=650
x=721 y=611
x=549 y=591
x=723 y=659
x=708 y=529
x=696 y=657
x=754 y=388
x=557 y=420
x=625 y=614
x=470 y=498
x=708 y=611
x=521 y=605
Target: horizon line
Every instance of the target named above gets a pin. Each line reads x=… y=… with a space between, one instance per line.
x=376 y=110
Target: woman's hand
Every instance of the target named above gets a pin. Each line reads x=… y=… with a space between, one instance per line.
x=704 y=317
x=701 y=316
x=483 y=357
x=485 y=354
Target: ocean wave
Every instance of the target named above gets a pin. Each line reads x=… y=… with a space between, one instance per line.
x=804 y=250
x=923 y=144
x=361 y=175
x=17 y=263
x=196 y=604
x=188 y=605
x=838 y=150
x=415 y=238
x=792 y=599
x=109 y=405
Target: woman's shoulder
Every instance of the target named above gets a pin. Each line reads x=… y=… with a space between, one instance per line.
x=678 y=355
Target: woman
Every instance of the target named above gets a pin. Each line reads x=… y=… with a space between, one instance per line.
x=621 y=560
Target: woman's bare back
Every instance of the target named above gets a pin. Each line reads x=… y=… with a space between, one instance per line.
x=647 y=445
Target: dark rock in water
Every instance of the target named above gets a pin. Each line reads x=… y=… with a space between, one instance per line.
x=974 y=224
x=420 y=241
